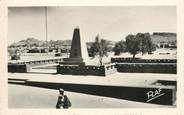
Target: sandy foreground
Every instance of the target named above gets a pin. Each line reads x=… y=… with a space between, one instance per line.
x=20 y=96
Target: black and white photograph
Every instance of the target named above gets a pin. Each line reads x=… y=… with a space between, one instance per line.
x=75 y=57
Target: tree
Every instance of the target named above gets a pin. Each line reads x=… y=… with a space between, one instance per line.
x=14 y=54
x=119 y=47
x=100 y=48
x=95 y=47
x=146 y=43
x=132 y=45
x=141 y=42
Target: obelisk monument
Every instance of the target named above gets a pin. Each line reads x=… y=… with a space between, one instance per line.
x=78 y=62
x=78 y=52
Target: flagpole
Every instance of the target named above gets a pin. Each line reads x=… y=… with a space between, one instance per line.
x=46 y=31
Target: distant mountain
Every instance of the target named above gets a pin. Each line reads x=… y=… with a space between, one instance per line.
x=163 y=37
x=157 y=38
x=59 y=43
x=166 y=34
x=32 y=43
x=29 y=42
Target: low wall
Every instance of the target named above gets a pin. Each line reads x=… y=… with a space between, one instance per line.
x=165 y=95
x=43 y=62
x=86 y=70
x=166 y=82
x=18 y=68
x=40 y=62
x=137 y=60
x=147 y=67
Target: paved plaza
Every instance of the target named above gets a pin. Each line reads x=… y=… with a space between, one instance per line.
x=21 y=96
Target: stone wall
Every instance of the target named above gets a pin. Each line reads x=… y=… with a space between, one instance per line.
x=145 y=65
x=137 y=60
x=132 y=93
x=147 y=68
x=18 y=68
x=86 y=70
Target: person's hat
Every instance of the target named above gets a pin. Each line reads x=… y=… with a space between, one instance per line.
x=61 y=90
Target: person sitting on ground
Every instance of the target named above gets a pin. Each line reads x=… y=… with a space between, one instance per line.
x=63 y=100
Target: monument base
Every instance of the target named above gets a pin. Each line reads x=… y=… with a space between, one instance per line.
x=73 y=61
x=86 y=69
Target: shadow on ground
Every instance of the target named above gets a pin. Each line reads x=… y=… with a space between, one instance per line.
x=138 y=94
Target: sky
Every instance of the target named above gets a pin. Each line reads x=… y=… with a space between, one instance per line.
x=111 y=23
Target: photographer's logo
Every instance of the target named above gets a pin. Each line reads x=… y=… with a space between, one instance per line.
x=154 y=94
